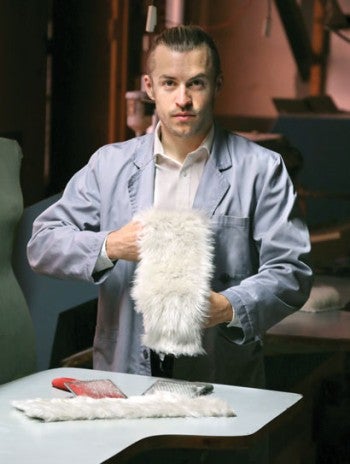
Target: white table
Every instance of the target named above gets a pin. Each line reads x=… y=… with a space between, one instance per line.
x=25 y=440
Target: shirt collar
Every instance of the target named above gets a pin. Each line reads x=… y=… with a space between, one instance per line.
x=206 y=144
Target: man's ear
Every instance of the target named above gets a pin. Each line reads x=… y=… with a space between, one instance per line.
x=148 y=86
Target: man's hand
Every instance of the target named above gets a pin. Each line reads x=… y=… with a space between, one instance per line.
x=123 y=243
x=220 y=310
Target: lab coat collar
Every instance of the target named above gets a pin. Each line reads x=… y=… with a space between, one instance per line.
x=213 y=185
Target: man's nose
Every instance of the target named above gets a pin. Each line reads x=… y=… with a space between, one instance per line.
x=183 y=97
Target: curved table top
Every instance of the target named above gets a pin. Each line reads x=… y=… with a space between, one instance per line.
x=97 y=441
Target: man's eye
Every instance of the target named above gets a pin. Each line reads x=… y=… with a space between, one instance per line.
x=168 y=83
x=197 y=84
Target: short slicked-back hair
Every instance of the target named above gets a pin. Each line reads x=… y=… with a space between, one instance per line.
x=184 y=39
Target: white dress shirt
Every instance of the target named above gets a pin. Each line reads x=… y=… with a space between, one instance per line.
x=176 y=183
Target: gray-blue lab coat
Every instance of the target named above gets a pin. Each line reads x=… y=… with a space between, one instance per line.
x=260 y=249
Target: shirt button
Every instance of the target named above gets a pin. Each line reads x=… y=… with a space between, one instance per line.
x=145 y=354
x=184 y=174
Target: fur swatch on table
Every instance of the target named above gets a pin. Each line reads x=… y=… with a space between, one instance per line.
x=322 y=298
x=172 y=280
x=162 y=404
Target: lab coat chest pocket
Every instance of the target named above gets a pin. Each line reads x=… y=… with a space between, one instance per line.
x=233 y=259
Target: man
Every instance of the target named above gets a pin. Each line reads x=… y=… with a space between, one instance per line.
x=260 y=244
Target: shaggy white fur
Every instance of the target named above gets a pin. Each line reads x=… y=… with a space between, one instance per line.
x=172 y=280
x=322 y=298
x=162 y=404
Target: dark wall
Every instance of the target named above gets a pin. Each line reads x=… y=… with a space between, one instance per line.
x=81 y=51
x=71 y=122
x=23 y=26
x=80 y=79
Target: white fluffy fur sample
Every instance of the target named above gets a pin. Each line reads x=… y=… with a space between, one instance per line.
x=172 y=280
x=162 y=404
x=322 y=298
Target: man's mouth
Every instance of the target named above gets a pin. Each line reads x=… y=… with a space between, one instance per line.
x=184 y=116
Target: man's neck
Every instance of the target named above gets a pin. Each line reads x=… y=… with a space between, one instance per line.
x=178 y=148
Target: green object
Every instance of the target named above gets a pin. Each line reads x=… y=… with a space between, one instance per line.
x=17 y=341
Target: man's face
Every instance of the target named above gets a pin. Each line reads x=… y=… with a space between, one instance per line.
x=183 y=86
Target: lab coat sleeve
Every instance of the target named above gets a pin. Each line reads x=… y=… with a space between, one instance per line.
x=66 y=239
x=283 y=280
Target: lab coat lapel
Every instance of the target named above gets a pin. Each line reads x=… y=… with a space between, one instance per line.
x=141 y=183
x=213 y=185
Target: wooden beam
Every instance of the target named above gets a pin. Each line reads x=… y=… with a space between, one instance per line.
x=297 y=34
x=319 y=43
x=118 y=70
